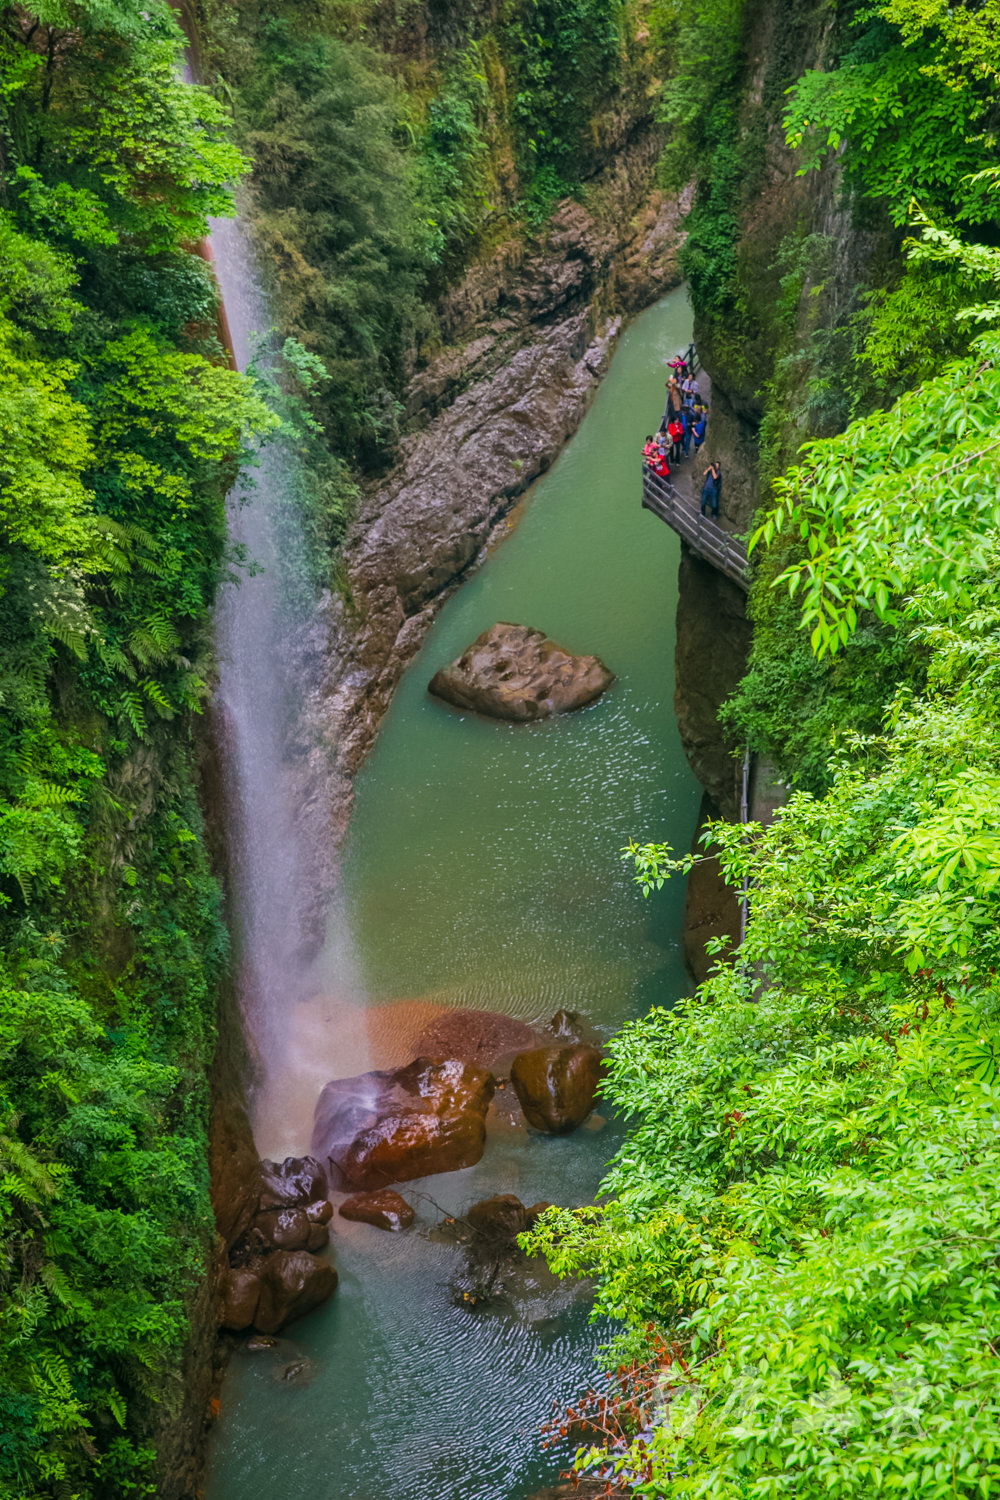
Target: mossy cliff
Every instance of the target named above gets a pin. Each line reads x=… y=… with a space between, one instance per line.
x=782 y=263
x=399 y=148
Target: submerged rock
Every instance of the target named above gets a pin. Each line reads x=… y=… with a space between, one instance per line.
x=387 y=1127
x=385 y=1210
x=495 y=1269
x=501 y=1217
x=478 y=1036
x=516 y=672
x=557 y=1085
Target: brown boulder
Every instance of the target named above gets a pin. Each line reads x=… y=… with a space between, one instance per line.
x=320 y=1212
x=557 y=1085
x=292 y=1283
x=319 y=1236
x=293 y=1183
x=388 y=1127
x=284 y=1228
x=386 y=1210
x=240 y=1295
x=501 y=1217
x=515 y=672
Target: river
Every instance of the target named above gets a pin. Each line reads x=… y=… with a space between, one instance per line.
x=482 y=869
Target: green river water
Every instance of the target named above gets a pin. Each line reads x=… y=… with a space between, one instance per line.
x=482 y=869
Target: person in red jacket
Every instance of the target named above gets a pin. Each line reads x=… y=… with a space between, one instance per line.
x=676 y=431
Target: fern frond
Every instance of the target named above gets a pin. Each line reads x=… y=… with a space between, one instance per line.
x=130 y=708
x=157 y=697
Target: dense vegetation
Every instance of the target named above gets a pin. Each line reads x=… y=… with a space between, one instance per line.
x=802 y=1231
x=381 y=168
x=121 y=427
x=386 y=160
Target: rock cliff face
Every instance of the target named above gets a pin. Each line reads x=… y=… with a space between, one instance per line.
x=713 y=641
x=769 y=341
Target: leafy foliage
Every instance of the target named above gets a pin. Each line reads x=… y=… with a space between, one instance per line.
x=800 y=1231
x=903 y=498
x=802 y=1206
x=915 y=103
x=122 y=429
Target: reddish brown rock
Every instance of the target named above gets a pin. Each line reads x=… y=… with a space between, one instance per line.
x=235 y=1170
x=502 y=1216
x=388 y=1127
x=284 y=1228
x=515 y=672
x=240 y=1296
x=319 y=1236
x=557 y=1085
x=386 y=1210
x=292 y=1283
x=478 y=1036
x=293 y=1183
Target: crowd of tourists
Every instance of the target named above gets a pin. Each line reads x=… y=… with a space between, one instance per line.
x=683 y=428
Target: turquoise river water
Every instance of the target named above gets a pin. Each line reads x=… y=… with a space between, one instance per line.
x=482 y=869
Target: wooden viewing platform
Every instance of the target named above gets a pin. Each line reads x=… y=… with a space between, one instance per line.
x=705 y=536
x=702 y=534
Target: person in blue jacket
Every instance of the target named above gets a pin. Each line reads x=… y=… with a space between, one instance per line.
x=700 y=425
x=711 y=490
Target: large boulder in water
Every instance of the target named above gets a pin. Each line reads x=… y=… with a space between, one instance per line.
x=240 y=1294
x=557 y=1085
x=292 y=1183
x=292 y=1283
x=515 y=672
x=284 y=1228
x=386 y=1127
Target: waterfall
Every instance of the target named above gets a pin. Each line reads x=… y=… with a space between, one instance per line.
x=254 y=705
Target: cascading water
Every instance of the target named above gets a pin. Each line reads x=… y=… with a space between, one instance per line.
x=257 y=620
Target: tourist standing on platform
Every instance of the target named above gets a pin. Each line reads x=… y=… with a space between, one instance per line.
x=711 y=490
x=700 y=425
x=674 y=402
x=676 y=431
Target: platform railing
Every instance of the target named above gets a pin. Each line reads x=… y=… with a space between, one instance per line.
x=705 y=536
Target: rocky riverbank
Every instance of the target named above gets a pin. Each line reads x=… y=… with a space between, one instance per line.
x=533 y=331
